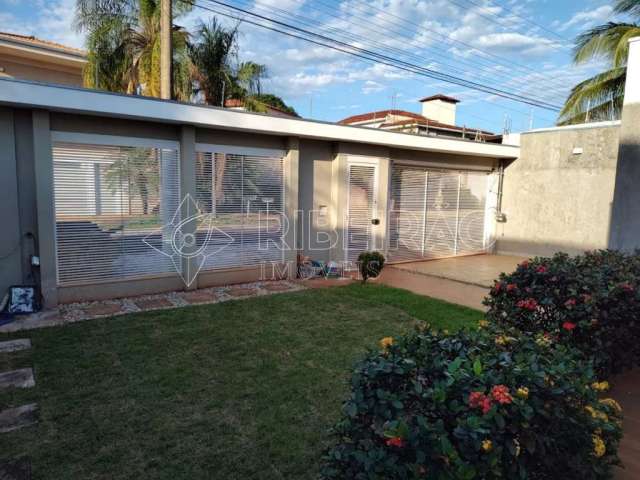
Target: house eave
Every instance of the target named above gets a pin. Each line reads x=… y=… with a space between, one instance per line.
x=20 y=93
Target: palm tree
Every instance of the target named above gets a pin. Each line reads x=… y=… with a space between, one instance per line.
x=601 y=96
x=210 y=56
x=123 y=45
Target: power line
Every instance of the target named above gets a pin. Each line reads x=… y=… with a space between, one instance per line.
x=528 y=20
x=350 y=35
x=365 y=54
x=452 y=41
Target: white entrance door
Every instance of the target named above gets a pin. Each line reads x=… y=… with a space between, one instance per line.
x=361 y=209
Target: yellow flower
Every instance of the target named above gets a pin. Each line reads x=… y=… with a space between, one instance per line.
x=597 y=414
x=600 y=386
x=501 y=340
x=610 y=402
x=483 y=323
x=487 y=445
x=445 y=331
x=522 y=392
x=386 y=342
x=599 y=448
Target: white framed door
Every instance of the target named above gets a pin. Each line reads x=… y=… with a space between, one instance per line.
x=362 y=207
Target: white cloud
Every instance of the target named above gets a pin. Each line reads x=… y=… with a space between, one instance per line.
x=588 y=18
x=372 y=87
x=51 y=20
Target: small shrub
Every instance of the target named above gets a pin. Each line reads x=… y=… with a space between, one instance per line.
x=473 y=405
x=590 y=301
x=371 y=264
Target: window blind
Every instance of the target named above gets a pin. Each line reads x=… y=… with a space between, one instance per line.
x=243 y=197
x=111 y=203
x=436 y=214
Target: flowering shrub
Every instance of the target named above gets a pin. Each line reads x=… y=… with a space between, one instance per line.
x=590 y=301
x=464 y=406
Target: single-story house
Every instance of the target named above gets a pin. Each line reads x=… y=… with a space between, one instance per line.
x=92 y=183
x=438 y=118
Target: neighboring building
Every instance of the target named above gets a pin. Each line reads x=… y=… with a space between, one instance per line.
x=30 y=58
x=237 y=104
x=438 y=118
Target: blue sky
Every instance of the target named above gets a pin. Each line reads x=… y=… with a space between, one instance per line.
x=518 y=46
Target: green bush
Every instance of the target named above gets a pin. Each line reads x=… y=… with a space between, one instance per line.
x=370 y=264
x=590 y=301
x=474 y=405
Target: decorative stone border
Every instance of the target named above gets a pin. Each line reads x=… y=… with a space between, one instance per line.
x=81 y=311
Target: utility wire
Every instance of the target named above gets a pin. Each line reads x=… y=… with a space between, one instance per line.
x=304 y=20
x=451 y=41
x=329 y=42
x=390 y=50
x=478 y=69
x=528 y=20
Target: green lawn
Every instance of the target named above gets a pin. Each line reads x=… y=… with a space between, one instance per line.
x=239 y=390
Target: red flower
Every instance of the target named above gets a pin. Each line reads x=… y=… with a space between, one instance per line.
x=541 y=269
x=395 y=442
x=524 y=264
x=500 y=394
x=528 y=304
x=570 y=303
x=511 y=287
x=497 y=287
x=569 y=326
x=627 y=287
x=480 y=400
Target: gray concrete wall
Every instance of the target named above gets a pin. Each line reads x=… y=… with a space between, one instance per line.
x=10 y=240
x=315 y=232
x=556 y=200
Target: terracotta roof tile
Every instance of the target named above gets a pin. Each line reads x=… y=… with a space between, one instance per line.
x=381 y=114
x=31 y=40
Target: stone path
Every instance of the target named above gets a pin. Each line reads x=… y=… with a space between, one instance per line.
x=17 y=417
x=77 y=312
x=15 y=470
x=15 y=346
x=21 y=378
x=14 y=418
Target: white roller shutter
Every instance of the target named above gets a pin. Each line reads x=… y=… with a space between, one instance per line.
x=436 y=213
x=243 y=198
x=111 y=202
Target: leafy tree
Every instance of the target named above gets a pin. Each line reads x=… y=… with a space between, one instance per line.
x=123 y=43
x=601 y=96
x=275 y=101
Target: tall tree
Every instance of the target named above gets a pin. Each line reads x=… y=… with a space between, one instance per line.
x=211 y=54
x=123 y=43
x=601 y=96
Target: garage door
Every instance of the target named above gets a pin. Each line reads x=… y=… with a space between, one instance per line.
x=436 y=214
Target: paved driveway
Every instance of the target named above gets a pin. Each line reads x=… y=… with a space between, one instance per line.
x=462 y=280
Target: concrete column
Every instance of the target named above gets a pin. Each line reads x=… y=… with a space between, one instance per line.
x=10 y=240
x=188 y=197
x=384 y=179
x=46 y=215
x=291 y=184
x=625 y=213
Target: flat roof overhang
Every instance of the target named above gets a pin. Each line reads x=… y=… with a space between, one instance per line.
x=25 y=94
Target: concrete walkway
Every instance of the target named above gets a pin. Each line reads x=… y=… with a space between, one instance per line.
x=626 y=390
x=462 y=280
